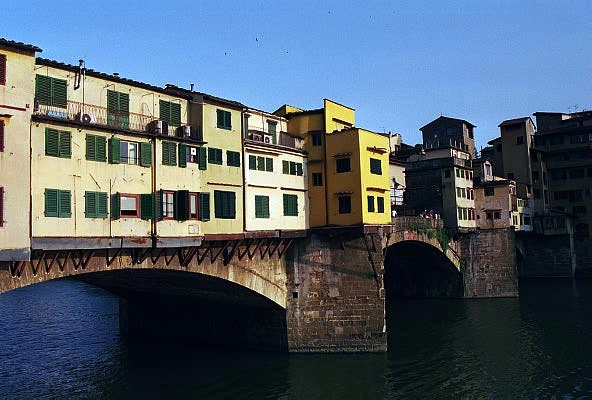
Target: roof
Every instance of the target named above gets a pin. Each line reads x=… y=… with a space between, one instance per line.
x=514 y=121
x=450 y=118
x=19 y=45
x=102 y=75
x=189 y=93
x=495 y=141
x=305 y=112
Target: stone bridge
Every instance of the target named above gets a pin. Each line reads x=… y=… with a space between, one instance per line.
x=327 y=291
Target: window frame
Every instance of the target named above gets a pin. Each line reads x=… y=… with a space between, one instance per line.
x=344 y=204
x=63 y=143
x=53 y=99
x=223 y=119
x=290 y=202
x=194 y=195
x=317 y=179
x=137 y=200
x=125 y=160
x=167 y=201
x=214 y=151
x=316 y=139
x=220 y=211
x=233 y=158
x=96 y=212
x=262 y=206
x=168 y=110
x=59 y=212
x=375 y=166
x=370 y=201
x=98 y=147
x=342 y=165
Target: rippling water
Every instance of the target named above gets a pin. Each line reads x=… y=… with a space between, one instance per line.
x=60 y=340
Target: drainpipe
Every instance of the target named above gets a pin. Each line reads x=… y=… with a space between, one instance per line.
x=153 y=231
x=325 y=166
x=242 y=134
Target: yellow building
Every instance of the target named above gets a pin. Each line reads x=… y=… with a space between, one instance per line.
x=17 y=63
x=348 y=175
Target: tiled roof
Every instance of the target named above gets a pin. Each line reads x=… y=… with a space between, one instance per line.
x=513 y=121
x=445 y=117
x=19 y=45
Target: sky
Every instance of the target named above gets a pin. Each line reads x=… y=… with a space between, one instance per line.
x=399 y=64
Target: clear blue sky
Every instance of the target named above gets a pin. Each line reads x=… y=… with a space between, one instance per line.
x=400 y=64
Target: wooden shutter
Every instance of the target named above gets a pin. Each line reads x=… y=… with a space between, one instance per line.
x=116 y=206
x=299 y=169
x=102 y=204
x=220 y=118
x=2 y=76
x=203 y=204
x=292 y=168
x=43 y=89
x=101 y=146
x=285 y=167
x=182 y=205
x=145 y=154
x=172 y=153
x=51 y=202
x=252 y=162
x=380 y=204
x=90 y=204
x=112 y=100
x=165 y=110
x=147 y=206
x=1 y=206
x=114 y=150
x=182 y=155
x=65 y=208
x=269 y=164
x=65 y=144
x=261 y=163
x=52 y=142
x=218 y=206
x=175 y=114
x=91 y=148
x=165 y=153
x=202 y=158
x=370 y=203
x=59 y=93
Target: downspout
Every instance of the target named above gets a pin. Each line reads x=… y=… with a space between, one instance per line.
x=325 y=166
x=242 y=133
x=30 y=186
x=153 y=232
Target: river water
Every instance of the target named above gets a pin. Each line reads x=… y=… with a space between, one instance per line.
x=60 y=340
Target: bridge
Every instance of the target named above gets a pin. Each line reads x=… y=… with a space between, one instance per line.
x=326 y=290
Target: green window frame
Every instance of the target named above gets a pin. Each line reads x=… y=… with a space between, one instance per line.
x=252 y=162
x=344 y=204
x=223 y=119
x=95 y=204
x=290 y=205
x=292 y=168
x=342 y=165
x=203 y=206
x=272 y=129
x=233 y=158
x=261 y=206
x=117 y=109
x=375 y=166
x=58 y=203
x=58 y=143
x=96 y=148
x=170 y=112
x=224 y=204
x=261 y=163
x=380 y=204
x=51 y=91
x=169 y=153
x=371 y=204
x=214 y=155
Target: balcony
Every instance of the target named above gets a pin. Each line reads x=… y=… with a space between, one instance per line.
x=88 y=114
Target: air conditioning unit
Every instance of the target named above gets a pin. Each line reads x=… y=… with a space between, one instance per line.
x=268 y=138
x=255 y=136
x=158 y=127
x=184 y=131
x=88 y=118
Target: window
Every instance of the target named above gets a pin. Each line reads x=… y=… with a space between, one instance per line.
x=223 y=119
x=193 y=205
x=471 y=214
x=261 y=163
x=129 y=205
x=191 y=154
x=526 y=220
x=2 y=72
x=458 y=193
x=489 y=215
x=342 y=165
x=457 y=172
x=261 y=206
x=170 y=112
x=96 y=148
x=460 y=213
x=511 y=176
x=344 y=204
x=128 y=152
x=380 y=204
x=214 y=155
x=1 y=206
x=519 y=140
x=168 y=204
x=497 y=215
x=489 y=191
x=233 y=158
x=317 y=179
x=1 y=135
x=317 y=139
x=117 y=109
x=446 y=173
x=371 y=204
x=269 y=164
x=498 y=148
x=95 y=204
x=224 y=204
x=462 y=173
x=272 y=129
x=292 y=168
x=58 y=203
x=375 y=166
x=58 y=143
x=290 y=205
x=51 y=91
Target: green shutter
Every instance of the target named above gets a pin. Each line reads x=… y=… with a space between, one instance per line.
x=145 y=154
x=202 y=158
x=292 y=168
x=261 y=163
x=147 y=206
x=290 y=205
x=299 y=169
x=370 y=203
x=52 y=142
x=228 y=119
x=175 y=114
x=269 y=164
x=64 y=204
x=173 y=153
x=182 y=205
x=233 y=158
x=218 y=206
x=114 y=150
x=65 y=144
x=43 y=89
x=90 y=204
x=101 y=148
x=59 y=93
x=182 y=155
x=91 y=148
x=102 y=205
x=165 y=153
x=252 y=162
x=285 y=167
x=165 y=110
x=261 y=207
x=220 y=118
x=51 y=202
x=116 y=206
x=204 y=207
x=380 y=201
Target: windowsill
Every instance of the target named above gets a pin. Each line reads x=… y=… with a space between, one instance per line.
x=226 y=128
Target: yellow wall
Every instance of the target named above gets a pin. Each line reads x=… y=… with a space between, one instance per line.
x=374 y=145
x=17 y=94
x=337 y=116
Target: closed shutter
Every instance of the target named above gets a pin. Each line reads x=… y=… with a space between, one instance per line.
x=375 y=166
x=65 y=144
x=262 y=206
x=165 y=153
x=175 y=114
x=59 y=89
x=219 y=118
x=51 y=202
x=64 y=204
x=52 y=142
x=2 y=76
x=202 y=158
x=116 y=206
x=172 y=153
x=165 y=110
x=114 y=150
x=101 y=146
x=90 y=204
x=269 y=164
x=285 y=167
x=43 y=89
x=252 y=162
x=123 y=110
x=261 y=163
x=111 y=107
x=204 y=206
x=91 y=148
x=147 y=206
x=370 y=203
x=145 y=154
x=292 y=168
x=290 y=205
x=182 y=155
x=182 y=205
x=102 y=204
x=299 y=169
x=218 y=204
x=380 y=204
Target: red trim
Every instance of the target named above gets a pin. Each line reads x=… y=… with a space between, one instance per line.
x=135 y=196
x=166 y=204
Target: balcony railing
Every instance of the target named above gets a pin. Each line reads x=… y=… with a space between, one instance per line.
x=89 y=114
